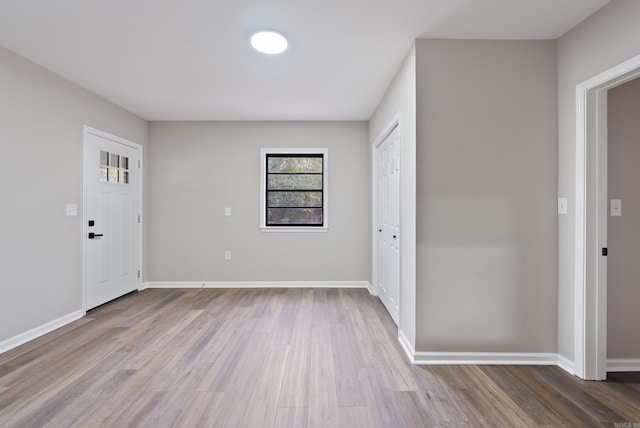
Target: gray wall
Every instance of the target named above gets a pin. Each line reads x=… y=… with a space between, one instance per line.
x=486 y=196
x=41 y=119
x=400 y=98
x=604 y=40
x=623 y=233
x=199 y=168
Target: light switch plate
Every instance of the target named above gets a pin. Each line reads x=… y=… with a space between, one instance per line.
x=227 y=211
x=616 y=207
x=562 y=206
x=72 y=210
x=227 y=255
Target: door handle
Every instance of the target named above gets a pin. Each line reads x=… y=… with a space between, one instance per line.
x=94 y=235
x=394 y=236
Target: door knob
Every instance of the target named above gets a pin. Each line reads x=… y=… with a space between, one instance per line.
x=94 y=235
x=394 y=236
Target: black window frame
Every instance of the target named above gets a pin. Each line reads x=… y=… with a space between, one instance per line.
x=322 y=191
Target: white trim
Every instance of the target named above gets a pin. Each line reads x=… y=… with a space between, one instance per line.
x=567 y=365
x=258 y=284
x=325 y=189
x=580 y=236
x=297 y=229
x=589 y=286
x=34 y=333
x=601 y=235
x=87 y=130
x=485 y=358
x=393 y=123
x=370 y=288
x=623 y=365
x=407 y=346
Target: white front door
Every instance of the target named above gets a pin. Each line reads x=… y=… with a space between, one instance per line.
x=388 y=222
x=112 y=217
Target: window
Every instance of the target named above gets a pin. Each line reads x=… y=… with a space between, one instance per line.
x=294 y=190
x=114 y=168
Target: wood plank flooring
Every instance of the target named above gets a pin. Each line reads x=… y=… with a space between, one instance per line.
x=277 y=358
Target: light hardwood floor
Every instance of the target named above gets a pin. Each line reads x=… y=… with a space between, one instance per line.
x=277 y=358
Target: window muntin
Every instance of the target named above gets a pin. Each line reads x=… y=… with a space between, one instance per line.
x=294 y=190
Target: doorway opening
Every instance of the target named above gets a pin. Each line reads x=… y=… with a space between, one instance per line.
x=590 y=273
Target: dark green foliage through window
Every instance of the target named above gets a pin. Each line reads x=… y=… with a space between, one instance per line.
x=294 y=189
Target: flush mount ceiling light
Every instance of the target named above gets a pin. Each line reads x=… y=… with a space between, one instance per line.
x=269 y=42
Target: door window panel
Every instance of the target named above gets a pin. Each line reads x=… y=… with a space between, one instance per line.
x=113 y=168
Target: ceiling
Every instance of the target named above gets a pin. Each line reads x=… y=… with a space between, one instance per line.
x=191 y=59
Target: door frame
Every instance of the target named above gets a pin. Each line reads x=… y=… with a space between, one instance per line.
x=395 y=122
x=86 y=131
x=590 y=267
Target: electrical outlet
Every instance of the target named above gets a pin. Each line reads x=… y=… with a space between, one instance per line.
x=227 y=255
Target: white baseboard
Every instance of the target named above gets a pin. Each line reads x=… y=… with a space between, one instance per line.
x=566 y=364
x=623 y=365
x=485 y=358
x=258 y=284
x=407 y=346
x=370 y=288
x=34 y=333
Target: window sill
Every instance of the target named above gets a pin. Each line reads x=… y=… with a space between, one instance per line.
x=300 y=229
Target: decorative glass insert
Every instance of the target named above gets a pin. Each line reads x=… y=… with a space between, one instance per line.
x=294 y=190
x=113 y=168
